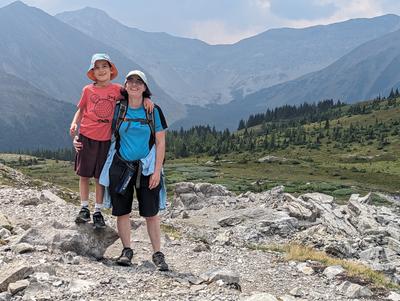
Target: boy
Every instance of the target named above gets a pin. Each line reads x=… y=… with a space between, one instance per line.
x=95 y=113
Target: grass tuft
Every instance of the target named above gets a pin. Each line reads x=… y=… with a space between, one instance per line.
x=298 y=252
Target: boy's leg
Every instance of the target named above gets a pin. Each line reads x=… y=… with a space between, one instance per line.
x=84 y=190
x=84 y=213
x=99 y=194
x=98 y=219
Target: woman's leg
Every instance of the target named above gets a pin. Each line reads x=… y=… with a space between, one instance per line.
x=124 y=230
x=153 y=229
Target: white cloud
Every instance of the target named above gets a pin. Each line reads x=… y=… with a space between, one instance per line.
x=263 y=4
x=346 y=9
x=216 y=32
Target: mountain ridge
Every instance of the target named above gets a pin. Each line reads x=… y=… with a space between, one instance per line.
x=196 y=73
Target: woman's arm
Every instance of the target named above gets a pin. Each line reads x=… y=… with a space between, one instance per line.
x=160 y=155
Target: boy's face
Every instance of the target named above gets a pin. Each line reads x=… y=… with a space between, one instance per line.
x=102 y=71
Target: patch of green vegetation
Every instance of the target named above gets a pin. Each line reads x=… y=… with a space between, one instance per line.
x=353 y=269
x=171 y=231
x=379 y=201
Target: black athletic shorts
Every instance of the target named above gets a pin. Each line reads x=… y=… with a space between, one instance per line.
x=90 y=159
x=149 y=199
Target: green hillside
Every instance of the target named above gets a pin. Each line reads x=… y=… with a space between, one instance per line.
x=328 y=147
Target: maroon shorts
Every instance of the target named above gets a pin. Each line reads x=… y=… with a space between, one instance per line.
x=90 y=159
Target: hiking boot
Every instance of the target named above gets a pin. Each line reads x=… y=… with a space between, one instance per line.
x=98 y=221
x=126 y=257
x=159 y=261
x=83 y=216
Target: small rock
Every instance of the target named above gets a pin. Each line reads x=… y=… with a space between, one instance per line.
x=201 y=248
x=5 y=222
x=261 y=297
x=353 y=290
x=30 y=202
x=217 y=274
x=296 y=292
x=18 y=286
x=230 y=221
x=41 y=277
x=302 y=267
x=332 y=271
x=288 y=298
x=22 y=248
x=57 y=283
x=4 y=233
x=13 y=273
x=5 y=296
x=79 y=285
x=393 y=296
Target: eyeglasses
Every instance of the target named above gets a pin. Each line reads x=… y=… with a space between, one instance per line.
x=133 y=81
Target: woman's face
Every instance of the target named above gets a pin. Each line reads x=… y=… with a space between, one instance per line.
x=135 y=86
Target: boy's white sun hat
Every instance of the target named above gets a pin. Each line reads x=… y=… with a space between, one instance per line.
x=137 y=73
x=98 y=57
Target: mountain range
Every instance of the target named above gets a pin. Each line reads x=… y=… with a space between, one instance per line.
x=370 y=70
x=54 y=56
x=30 y=118
x=194 y=82
x=196 y=73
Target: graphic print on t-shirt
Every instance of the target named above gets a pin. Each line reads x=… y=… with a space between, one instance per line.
x=103 y=107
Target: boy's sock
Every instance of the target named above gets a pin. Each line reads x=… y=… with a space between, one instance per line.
x=85 y=204
x=98 y=207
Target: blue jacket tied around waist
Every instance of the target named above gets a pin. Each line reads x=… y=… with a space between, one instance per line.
x=148 y=165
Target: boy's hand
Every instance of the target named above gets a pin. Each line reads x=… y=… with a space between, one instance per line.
x=72 y=129
x=148 y=105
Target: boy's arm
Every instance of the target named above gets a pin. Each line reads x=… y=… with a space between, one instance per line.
x=148 y=105
x=74 y=123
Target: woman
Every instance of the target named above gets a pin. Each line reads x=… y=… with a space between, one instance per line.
x=135 y=142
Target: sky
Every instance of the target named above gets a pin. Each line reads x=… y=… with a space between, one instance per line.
x=223 y=21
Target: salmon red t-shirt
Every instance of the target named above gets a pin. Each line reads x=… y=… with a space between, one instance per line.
x=97 y=105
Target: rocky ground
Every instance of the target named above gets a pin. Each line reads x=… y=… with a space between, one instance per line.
x=207 y=236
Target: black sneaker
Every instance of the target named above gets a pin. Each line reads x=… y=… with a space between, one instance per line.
x=159 y=261
x=126 y=257
x=98 y=221
x=83 y=216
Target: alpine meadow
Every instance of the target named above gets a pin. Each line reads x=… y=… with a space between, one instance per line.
x=281 y=173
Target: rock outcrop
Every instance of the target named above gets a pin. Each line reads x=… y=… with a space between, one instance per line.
x=209 y=238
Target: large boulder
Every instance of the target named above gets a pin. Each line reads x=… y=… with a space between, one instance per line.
x=81 y=239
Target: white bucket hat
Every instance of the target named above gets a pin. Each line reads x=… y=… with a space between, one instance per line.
x=98 y=57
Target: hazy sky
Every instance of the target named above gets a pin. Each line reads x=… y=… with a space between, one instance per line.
x=223 y=21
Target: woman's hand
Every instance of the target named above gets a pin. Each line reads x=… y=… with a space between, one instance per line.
x=77 y=144
x=148 y=105
x=154 y=180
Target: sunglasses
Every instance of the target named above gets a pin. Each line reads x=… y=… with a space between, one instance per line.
x=134 y=81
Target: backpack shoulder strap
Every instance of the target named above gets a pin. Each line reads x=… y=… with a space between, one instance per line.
x=119 y=115
x=150 y=119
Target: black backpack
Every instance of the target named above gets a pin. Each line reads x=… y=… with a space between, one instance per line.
x=119 y=116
